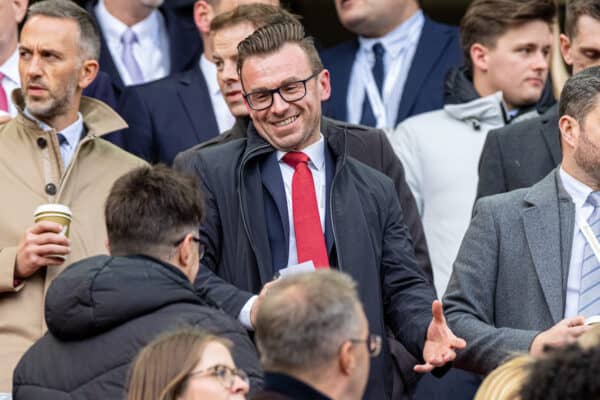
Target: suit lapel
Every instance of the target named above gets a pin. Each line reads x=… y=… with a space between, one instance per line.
x=428 y=50
x=273 y=182
x=340 y=80
x=542 y=223
x=182 y=55
x=195 y=100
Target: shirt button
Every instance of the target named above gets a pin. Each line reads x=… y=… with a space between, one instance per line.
x=42 y=143
x=50 y=189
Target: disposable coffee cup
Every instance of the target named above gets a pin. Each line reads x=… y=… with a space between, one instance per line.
x=58 y=213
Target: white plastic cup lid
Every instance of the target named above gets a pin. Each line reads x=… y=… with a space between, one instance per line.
x=53 y=208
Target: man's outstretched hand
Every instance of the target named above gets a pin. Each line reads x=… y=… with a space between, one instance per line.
x=440 y=344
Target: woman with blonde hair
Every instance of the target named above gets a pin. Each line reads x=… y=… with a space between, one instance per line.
x=505 y=382
x=186 y=364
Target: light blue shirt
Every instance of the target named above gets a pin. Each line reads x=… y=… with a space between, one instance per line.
x=579 y=193
x=400 y=46
x=72 y=134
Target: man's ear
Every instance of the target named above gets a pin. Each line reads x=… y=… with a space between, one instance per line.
x=346 y=358
x=565 y=49
x=89 y=71
x=185 y=254
x=479 y=57
x=203 y=15
x=569 y=131
x=325 y=84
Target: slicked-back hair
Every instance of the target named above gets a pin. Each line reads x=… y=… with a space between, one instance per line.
x=574 y=9
x=304 y=320
x=580 y=94
x=270 y=38
x=89 y=36
x=257 y=14
x=486 y=20
x=149 y=209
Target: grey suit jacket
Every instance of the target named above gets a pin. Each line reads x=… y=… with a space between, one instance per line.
x=510 y=276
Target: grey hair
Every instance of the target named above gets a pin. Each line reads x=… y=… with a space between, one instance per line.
x=580 y=94
x=304 y=319
x=89 y=36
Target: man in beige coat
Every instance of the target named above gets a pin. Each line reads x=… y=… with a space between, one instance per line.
x=51 y=153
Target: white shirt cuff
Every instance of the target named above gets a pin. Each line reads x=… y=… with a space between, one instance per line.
x=244 y=316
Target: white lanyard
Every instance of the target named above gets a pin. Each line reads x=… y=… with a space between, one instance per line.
x=390 y=82
x=590 y=237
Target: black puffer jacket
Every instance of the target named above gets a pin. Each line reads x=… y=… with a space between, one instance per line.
x=100 y=312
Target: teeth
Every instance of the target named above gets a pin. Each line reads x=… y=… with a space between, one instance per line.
x=286 y=121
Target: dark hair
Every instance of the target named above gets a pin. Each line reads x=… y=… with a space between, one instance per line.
x=575 y=9
x=89 y=36
x=570 y=373
x=256 y=14
x=486 y=20
x=149 y=209
x=580 y=94
x=270 y=38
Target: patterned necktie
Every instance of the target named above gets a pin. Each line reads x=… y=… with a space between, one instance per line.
x=310 y=243
x=135 y=72
x=589 y=288
x=368 y=117
x=3 y=96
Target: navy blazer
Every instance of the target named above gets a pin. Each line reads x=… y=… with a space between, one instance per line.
x=437 y=52
x=102 y=88
x=167 y=116
x=184 y=43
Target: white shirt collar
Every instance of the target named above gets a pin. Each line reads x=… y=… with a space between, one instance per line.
x=10 y=68
x=315 y=152
x=72 y=132
x=578 y=191
x=147 y=29
x=407 y=33
x=209 y=70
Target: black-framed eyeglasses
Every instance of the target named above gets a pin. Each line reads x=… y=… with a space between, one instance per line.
x=290 y=92
x=373 y=344
x=195 y=239
x=224 y=374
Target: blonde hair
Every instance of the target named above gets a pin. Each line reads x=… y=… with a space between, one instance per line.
x=160 y=371
x=505 y=382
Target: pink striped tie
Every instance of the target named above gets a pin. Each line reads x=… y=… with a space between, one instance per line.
x=3 y=97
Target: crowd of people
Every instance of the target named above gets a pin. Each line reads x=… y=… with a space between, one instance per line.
x=408 y=215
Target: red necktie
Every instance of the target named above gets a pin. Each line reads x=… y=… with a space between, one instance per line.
x=3 y=97
x=310 y=243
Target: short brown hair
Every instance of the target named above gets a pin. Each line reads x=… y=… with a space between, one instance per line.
x=161 y=369
x=270 y=38
x=577 y=8
x=256 y=14
x=486 y=20
x=150 y=208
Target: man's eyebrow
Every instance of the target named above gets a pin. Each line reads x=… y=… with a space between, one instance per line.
x=282 y=83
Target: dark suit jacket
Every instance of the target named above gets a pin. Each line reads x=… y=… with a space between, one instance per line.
x=102 y=88
x=519 y=155
x=284 y=387
x=167 y=116
x=246 y=219
x=184 y=41
x=437 y=52
x=367 y=145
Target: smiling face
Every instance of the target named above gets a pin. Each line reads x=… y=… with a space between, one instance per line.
x=286 y=126
x=50 y=67
x=225 y=43
x=517 y=65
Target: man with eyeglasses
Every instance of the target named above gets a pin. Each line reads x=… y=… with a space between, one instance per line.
x=102 y=310
x=286 y=198
x=314 y=339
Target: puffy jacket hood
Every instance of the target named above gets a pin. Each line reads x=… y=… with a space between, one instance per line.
x=99 y=293
x=458 y=89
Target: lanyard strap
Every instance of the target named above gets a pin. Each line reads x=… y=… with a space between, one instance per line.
x=590 y=237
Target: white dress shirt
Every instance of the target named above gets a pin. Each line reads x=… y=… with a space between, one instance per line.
x=152 y=50
x=579 y=193
x=12 y=80
x=72 y=134
x=225 y=119
x=316 y=153
x=400 y=46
